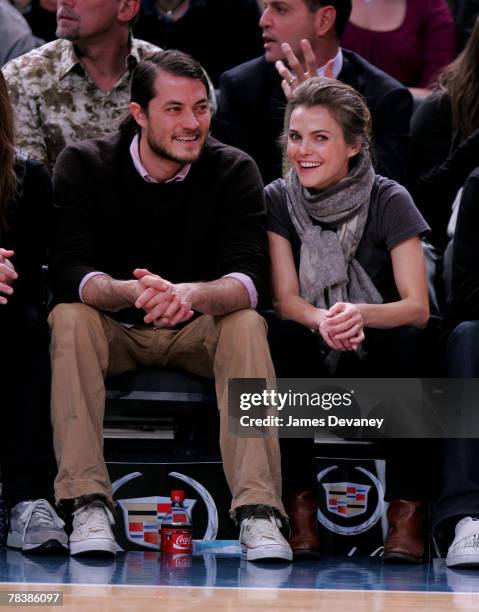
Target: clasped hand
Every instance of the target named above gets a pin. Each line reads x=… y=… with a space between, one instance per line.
x=342 y=326
x=7 y=275
x=165 y=303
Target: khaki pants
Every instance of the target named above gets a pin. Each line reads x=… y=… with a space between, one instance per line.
x=86 y=346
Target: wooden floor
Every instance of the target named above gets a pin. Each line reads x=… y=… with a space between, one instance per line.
x=87 y=598
x=148 y=581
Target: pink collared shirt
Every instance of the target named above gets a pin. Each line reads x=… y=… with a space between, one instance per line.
x=244 y=279
x=140 y=168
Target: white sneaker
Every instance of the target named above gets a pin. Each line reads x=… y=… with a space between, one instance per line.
x=91 y=529
x=464 y=550
x=260 y=537
x=36 y=527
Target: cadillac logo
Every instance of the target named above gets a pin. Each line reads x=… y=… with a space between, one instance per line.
x=349 y=500
x=142 y=515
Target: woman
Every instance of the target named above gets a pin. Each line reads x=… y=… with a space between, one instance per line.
x=412 y=41
x=26 y=446
x=445 y=139
x=347 y=264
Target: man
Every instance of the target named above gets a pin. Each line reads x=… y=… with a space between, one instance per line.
x=161 y=196
x=15 y=34
x=78 y=86
x=251 y=101
x=456 y=512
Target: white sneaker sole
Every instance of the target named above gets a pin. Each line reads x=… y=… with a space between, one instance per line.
x=93 y=545
x=268 y=551
x=463 y=561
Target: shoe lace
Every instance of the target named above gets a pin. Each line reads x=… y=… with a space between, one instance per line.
x=265 y=525
x=471 y=541
x=44 y=514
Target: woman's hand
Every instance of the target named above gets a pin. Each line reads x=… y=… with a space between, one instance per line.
x=344 y=325
x=7 y=274
x=322 y=329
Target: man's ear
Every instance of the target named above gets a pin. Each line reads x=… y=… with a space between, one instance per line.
x=127 y=10
x=138 y=114
x=325 y=21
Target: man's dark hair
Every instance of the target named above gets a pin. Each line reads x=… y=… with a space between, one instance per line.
x=343 y=11
x=144 y=76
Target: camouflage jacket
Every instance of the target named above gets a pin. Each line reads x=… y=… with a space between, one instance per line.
x=56 y=103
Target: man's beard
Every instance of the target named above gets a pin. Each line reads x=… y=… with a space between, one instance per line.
x=71 y=32
x=70 y=35
x=164 y=153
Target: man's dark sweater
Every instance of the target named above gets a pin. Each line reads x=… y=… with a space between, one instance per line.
x=109 y=219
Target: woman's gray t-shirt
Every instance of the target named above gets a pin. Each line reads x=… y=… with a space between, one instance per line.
x=393 y=218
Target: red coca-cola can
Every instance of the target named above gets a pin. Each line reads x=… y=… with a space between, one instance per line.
x=176 y=539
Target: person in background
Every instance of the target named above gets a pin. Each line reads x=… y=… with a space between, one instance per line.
x=16 y=37
x=251 y=101
x=26 y=451
x=456 y=511
x=445 y=139
x=76 y=87
x=412 y=41
x=220 y=34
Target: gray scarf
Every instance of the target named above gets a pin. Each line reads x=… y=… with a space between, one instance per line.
x=328 y=271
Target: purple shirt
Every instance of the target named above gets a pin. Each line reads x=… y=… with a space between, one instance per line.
x=415 y=52
x=244 y=279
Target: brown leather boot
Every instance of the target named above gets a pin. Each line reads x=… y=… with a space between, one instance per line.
x=405 y=541
x=304 y=538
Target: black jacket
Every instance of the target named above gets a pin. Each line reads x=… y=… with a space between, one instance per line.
x=464 y=300
x=251 y=109
x=27 y=232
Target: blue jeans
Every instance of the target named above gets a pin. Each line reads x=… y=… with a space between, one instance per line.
x=460 y=485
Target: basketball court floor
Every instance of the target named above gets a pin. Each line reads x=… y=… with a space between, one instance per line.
x=216 y=578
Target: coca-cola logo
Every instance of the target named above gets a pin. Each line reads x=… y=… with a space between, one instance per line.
x=182 y=540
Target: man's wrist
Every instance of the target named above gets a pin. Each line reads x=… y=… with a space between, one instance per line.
x=104 y=292
x=128 y=290
x=187 y=292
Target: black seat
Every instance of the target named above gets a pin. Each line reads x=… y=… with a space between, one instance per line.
x=161 y=385
x=155 y=412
